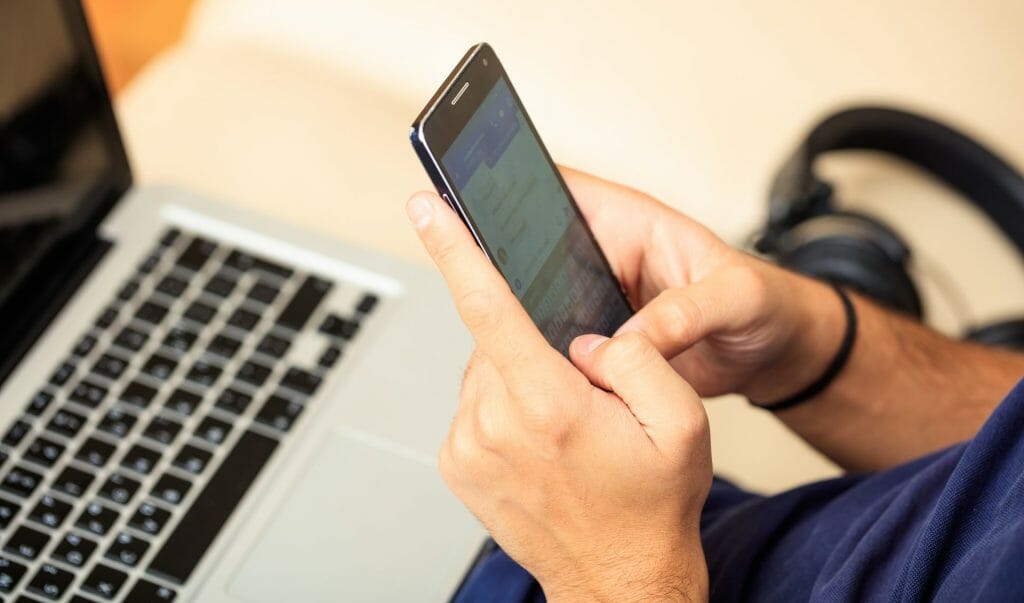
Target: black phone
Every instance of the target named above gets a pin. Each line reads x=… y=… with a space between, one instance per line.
x=487 y=161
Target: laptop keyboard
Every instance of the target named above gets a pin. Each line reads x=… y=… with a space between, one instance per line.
x=124 y=467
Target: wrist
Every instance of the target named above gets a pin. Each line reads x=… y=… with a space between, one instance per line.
x=679 y=574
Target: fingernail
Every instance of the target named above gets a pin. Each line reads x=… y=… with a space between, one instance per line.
x=419 y=212
x=591 y=342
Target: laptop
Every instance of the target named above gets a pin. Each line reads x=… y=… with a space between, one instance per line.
x=198 y=403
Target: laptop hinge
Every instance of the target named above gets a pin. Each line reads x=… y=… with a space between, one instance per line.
x=37 y=301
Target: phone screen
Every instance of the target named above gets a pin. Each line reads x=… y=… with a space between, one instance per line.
x=529 y=224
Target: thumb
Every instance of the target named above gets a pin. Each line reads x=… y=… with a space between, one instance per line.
x=632 y=368
x=676 y=319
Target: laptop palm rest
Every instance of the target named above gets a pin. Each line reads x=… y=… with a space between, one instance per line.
x=304 y=553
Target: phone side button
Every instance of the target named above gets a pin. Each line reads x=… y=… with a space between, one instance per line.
x=446 y=199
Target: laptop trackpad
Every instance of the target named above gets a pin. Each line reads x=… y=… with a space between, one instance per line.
x=365 y=518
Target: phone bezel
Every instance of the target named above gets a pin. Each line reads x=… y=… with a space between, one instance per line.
x=441 y=121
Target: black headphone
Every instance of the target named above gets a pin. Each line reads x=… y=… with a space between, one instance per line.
x=808 y=234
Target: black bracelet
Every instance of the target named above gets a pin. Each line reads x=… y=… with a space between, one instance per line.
x=834 y=368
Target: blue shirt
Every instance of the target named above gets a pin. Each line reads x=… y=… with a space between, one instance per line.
x=948 y=527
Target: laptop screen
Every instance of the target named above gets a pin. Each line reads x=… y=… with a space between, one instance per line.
x=61 y=161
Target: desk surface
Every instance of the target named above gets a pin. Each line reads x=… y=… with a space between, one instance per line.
x=301 y=110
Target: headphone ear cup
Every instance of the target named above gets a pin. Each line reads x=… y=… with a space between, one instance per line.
x=851 y=258
x=1006 y=334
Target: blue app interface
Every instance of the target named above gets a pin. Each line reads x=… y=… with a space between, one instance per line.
x=527 y=221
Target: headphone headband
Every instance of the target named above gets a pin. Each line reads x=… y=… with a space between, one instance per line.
x=963 y=164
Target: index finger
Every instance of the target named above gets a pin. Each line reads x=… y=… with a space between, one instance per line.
x=499 y=323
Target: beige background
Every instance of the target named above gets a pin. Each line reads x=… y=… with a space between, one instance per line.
x=301 y=109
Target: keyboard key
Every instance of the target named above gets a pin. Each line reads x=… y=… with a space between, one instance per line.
x=273 y=346
x=337 y=326
x=149 y=518
x=127 y=549
x=213 y=430
x=200 y=312
x=39 y=403
x=367 y=304
x=137 y=394
x=73 y=481
x=84 y=346
x=128 y=291
x=330 y=356
x=7 y=512
x=145 y=591
x=279 y=412
x=117 y=422
x=74 y=549
x=131 y=339
x=51 y=581
x=244 y=319
x=196 y=254
x=221 y=285
x=104 y=581
x=149 y=263
x=62 y=374
x=66 y=423
x=183 y=401
x=21 y=481
x=95 y=452
x=26 y=542
x=151 y=312
x=96 y=518
x=263 y=292
x=203 y=373
x=223 y=345
x=11 y=573
x=160 y=366
x=162 y=430
x=172 y=286
x=107 y=317
x=234 y=401
x=17 y=433
x=171 y=489
x=301 y=381
x=88 y=393
x=200 y=525
x=253 y=373
x=141 y=459
x=170 y=235
x=119 y=488
x=110 y=366
x=44 y=451
x=192 y=459
x=50 y=511
x=244 y=262
x=305 y=301
x=180 y=339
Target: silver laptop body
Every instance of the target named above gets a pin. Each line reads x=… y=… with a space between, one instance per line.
x=286 y=457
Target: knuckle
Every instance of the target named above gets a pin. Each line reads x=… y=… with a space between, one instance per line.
x=677 y=315
x=445 y=251
x=461 y=447
x=490 y=432
x=751 y=283
x=477 y=309
x=625 y=350
x=549 y=424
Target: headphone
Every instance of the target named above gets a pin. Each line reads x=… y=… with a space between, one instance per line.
x=807 y=233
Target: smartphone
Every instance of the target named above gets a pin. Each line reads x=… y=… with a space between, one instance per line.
x=484 y=156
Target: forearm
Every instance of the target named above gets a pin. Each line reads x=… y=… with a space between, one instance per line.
x=905 y=391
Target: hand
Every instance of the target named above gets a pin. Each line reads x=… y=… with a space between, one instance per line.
x=727 y=321
x=596 y=490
